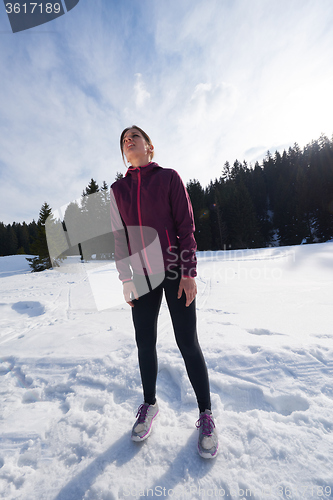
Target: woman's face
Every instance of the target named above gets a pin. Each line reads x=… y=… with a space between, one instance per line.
x=136 y=149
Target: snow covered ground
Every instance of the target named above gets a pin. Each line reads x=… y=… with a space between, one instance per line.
x=70 y=385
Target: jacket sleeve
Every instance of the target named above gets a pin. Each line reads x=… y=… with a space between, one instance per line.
x=182 y=212
x=120 y=241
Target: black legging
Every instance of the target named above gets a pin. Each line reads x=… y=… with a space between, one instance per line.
x=145 y=314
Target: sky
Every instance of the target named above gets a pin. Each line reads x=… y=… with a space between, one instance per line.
x=210 y=81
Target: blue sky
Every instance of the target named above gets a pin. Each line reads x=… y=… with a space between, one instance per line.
x=210 y=81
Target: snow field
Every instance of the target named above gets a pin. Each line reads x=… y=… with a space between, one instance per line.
x=70 y=385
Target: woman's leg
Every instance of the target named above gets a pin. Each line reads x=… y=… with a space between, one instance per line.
x=145 y=315
x=184 y=324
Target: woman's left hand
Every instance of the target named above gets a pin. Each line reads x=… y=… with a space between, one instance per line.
x=189 y=286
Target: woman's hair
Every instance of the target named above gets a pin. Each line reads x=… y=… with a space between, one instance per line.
x=145 y=136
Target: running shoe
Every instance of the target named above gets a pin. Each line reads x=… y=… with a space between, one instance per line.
x=208 y=440
x=145 y=416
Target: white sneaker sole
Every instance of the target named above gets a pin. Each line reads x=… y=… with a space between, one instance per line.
x=208 y=455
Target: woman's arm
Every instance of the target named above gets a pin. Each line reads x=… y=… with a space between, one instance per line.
x=120 y=240
x=182 y=213
x=184 y=221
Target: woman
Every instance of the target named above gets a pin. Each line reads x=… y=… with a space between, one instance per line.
x=153 y=200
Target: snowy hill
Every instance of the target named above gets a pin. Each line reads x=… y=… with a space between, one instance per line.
x=70 y=385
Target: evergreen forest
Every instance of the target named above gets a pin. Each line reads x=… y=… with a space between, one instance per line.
x=287 y=199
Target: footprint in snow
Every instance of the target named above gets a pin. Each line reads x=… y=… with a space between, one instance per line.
x=28 y=459
x=327 y=390
x=247 y=399
x=262 y=331
x=94 y=404
x=287 y=404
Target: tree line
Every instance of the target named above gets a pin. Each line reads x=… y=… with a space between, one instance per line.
x=285 y=200
x=17 y=238
x=30 y=239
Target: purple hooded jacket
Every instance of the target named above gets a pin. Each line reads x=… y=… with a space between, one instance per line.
x=152 y=201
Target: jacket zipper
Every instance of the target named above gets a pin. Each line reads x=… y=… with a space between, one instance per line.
x=140 y=219
x=167 y=235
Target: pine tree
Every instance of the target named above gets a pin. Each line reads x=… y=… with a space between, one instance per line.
x=210 y=202
x=259 y=195
x=11 y=243
x=201 y=215
x=2 y=239
x=33 y=231
x=226 y=172
x=72 y=227
x=105 y=195
x=22 y=234
x=244 y=232
x=97 y=238
x=324 y=201
x=222 y=202
x=39 y=247
x=91 y=188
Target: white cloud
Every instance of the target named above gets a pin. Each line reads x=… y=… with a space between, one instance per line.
x=141 y=94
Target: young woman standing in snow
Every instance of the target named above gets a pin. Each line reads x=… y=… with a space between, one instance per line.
x=152 y=198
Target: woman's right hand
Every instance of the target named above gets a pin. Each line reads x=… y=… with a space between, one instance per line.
x=128 y=290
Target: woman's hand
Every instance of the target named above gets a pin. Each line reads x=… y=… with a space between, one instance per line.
x=189 y=286
x=128 y=290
